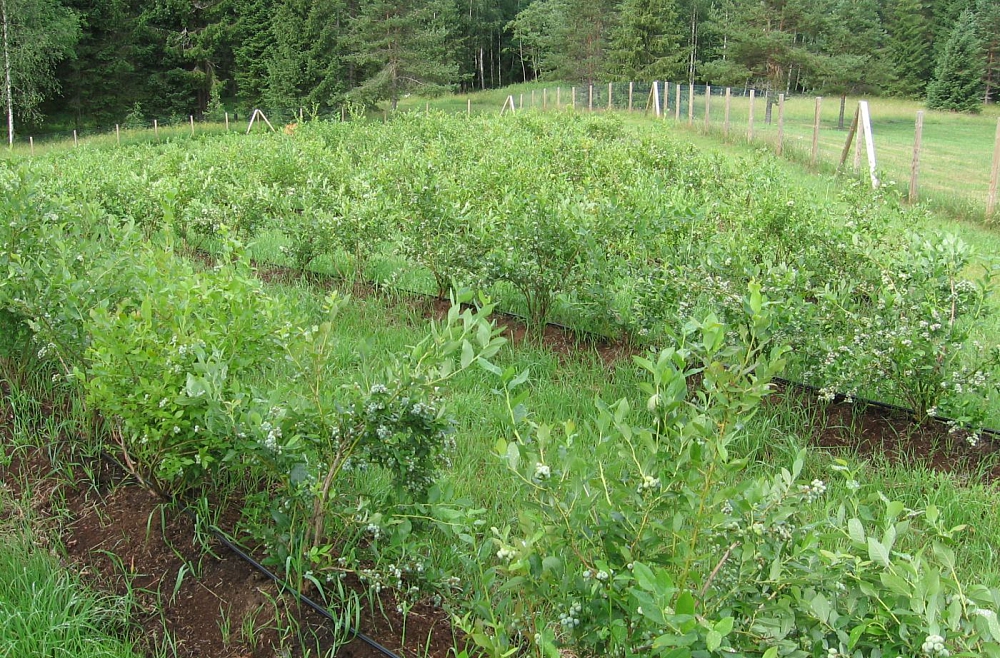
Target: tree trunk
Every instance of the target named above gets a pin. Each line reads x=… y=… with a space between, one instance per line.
x=843 y=103
x=989 y=78
x=6 y=66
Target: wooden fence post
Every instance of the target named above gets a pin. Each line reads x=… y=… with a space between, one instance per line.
x=750 y=122
x=611 y=95
x=590 y=103
x=781 y=123
x=573 y=92
x=708 y=105
x=301 y=120
x=991 y=199
x=631 y=86
x=192 y=124
x=520 y=104
x=677 y=102
x=75 y=141
x=656 y=98
x=227 y=121
x=532 y=98
x=31 y=141
x=156 y=129
x=468 y=107
x=118 y=134
x=815 y=143
x=690 y=103
x=729 y=98
x=915 y=167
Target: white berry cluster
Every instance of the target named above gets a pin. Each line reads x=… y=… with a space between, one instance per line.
x=934 y=646
x=649 y=483
x=571 y=618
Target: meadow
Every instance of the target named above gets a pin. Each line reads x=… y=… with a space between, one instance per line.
x=662 y=505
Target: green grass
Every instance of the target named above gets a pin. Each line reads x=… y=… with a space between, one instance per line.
x=45 y=610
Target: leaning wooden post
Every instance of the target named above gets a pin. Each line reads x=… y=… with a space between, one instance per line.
x=656 y=98
x=631 y=87
x=915 y=167
x=227 y=121
x=781 y=123
x=851 y=132
x=610 y=96
x=192 y=125
x=75 y=141
x=750 y=122
x=118 y=134
x=729 y=98
x=677 y=101
x=815 y=144
x=690 y=103
x=708 y=105
x=991 y=199
x=590 y=102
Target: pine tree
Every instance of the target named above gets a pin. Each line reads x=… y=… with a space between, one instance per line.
x=645 y=41
x=307 y=63
x=854 y=43
x=958 y=81
x=402 y=46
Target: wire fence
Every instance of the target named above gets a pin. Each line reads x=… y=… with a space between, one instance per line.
x=952 y=161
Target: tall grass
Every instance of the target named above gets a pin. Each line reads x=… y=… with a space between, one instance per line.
x=44 y=609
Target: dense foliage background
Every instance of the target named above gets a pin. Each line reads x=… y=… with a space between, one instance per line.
x=86 y=62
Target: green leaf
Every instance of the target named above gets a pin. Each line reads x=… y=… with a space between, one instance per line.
x=877 y=552
x=725 y=625
x=685 y=603
x=821 y=608
x=467 y=354
x=771 y=653
x=644 y=576
x=713 y=640
x=856 y=531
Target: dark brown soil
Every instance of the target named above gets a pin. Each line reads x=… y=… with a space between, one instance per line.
x=122 y=537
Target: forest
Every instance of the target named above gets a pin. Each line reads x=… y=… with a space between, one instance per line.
x=84 y=63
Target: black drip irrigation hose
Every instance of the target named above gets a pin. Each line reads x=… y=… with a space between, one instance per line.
x=246 y=557
x=323 y=612
x=854 y=400
x=599 y=337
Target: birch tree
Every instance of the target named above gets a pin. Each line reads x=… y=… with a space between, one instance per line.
x=36 y=35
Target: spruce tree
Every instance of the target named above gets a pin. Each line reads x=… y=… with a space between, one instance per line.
x=958 y=81
x=403 y=46
x=910 y=40
x=988 y=22
x=645 y=41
